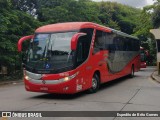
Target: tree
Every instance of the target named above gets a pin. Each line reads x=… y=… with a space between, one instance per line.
x=14 y=24
x=156 y=14
x=29 y=6
x=142 y=31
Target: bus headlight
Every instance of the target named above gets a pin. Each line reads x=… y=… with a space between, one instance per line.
x=65 y=79
x=27 y=77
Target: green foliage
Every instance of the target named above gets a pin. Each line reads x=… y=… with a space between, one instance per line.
x=14 y=24
x=25 y=5
x=68 y=11
x=119 y=16
x=110 y=14
x=142 y=31
x=156 y=15
x=5 y=4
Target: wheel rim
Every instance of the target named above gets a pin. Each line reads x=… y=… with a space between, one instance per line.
x=94 y=83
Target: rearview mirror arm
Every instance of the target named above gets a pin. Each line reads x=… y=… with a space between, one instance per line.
x=19 y=45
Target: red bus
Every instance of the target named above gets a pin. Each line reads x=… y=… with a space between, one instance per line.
x=71 y=57
x=144 y=55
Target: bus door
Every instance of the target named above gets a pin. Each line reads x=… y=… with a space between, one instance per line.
x=82 y=56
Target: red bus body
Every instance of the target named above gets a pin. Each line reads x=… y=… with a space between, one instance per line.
x=81 y=76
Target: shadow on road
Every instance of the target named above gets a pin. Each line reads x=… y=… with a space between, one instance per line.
x=114 y=82
x=59 y=96
x=82 y=94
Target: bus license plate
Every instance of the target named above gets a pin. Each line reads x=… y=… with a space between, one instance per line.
x=44 y=88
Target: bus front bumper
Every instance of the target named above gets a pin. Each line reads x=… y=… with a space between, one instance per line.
x=69 y=87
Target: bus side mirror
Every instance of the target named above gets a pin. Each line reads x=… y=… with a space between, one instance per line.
x=74 y=40
x=19 y=45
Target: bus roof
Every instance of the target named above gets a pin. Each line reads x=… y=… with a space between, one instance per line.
x=124 y=34
x=71 y=26
x=65 y=26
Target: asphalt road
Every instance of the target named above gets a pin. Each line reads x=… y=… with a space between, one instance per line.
x=140 y=93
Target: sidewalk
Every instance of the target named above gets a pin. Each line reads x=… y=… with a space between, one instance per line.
x=10 y=82
x=155 y=76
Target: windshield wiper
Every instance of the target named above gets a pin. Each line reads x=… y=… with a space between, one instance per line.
x=43 y=55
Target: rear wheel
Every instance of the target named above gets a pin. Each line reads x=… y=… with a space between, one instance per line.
x=132 y=72
x=95 y=84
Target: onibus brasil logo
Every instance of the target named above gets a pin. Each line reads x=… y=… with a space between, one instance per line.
x=24 y=114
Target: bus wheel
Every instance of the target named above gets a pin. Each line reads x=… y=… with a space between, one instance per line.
x=95 y=84
x=132 y=72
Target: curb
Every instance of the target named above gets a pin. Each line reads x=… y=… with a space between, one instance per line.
x=154 y=78
x=11 y=82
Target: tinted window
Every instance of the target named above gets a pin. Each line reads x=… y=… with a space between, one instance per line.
x=99 y=41
x=83 y=46
x=119 y=43
x=114 y=42
x=130 y=44
x=136 y=45
x=109 y=44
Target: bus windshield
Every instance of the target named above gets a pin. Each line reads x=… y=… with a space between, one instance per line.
x=51 y=52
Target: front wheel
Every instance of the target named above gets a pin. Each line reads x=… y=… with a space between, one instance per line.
x=95 y=84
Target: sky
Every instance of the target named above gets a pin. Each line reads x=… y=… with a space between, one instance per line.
x=133 y=3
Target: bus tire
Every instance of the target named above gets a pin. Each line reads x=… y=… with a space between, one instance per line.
x=132 y=72
x=95 y=84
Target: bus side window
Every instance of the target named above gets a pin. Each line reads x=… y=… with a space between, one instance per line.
x=99 y=42
x=116 y=42
x=83 y=46
x=137 y=45
x=130 y=45
x=109 y=44
x=81 y=50
x=126 y=44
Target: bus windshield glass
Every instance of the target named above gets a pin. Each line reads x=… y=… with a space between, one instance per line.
x=51 y=52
